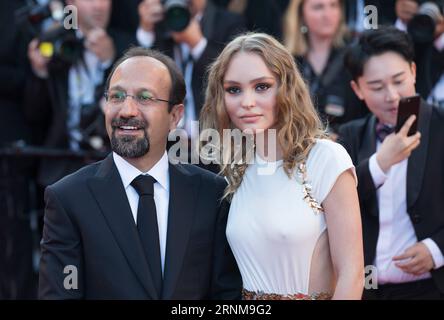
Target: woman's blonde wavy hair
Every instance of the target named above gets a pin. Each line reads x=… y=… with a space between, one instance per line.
x=298 y=124
x=295 y=40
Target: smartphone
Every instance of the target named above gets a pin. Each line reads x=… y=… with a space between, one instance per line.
x=407 y=107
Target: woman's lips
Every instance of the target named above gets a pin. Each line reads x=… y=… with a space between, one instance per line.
x=251 y=118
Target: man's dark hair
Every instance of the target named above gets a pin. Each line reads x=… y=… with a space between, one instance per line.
x=376 y=42
x=177 y=90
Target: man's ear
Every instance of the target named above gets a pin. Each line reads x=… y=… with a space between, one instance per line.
x=176 y=114
x=356 y=89
x=413 y=69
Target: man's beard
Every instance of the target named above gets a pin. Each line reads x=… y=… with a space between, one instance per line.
x=128 y=146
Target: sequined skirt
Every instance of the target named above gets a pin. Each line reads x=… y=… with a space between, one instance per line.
x=250 y=295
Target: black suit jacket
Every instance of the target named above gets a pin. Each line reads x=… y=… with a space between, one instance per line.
x=13 y=63
x=89 y=224
x=425 y=180
x=261 y=15
x=430 y=67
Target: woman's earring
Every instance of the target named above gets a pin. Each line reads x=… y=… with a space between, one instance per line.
x=304 y=29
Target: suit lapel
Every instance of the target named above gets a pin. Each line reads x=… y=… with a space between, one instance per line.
x=366 y=150
x=368 y=141
x=183 y=197
x=417 y=160
x=109 y=193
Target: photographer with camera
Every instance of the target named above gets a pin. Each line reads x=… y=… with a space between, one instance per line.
x=65 y=93
x=424 y=21
x=192 y=32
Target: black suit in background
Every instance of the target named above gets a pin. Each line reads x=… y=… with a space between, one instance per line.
x=430 y=67
x=46 y=106
x=12 y=75
x=281 y=4
x=125 y=15
x=89 y=224
x=18 y=279
x=261 y=15
x=425 y=181
x=332 y=87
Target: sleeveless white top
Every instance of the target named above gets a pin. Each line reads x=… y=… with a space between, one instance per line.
x=272 y=231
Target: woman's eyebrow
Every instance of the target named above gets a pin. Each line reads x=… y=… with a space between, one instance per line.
x=252 y=81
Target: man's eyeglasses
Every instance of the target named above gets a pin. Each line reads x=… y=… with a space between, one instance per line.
x=143 y=98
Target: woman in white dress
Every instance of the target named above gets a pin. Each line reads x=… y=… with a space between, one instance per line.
x=294 y=223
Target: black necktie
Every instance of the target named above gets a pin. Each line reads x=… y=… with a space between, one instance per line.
x=147 y=226
x=186 y=60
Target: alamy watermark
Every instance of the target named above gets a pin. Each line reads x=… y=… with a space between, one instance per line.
x=370 y=277
x=71 y=281
x=65 y=15
x=232 y=147
x=71 y=20
x=371 y=17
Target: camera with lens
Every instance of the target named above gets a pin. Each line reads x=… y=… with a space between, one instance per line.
x=55 y=41
x=422 y=26
x=61 y=44
x=177 y=15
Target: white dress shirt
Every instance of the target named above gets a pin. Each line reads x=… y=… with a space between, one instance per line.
x=182 y=54
x=396 y=232
x=161 y=193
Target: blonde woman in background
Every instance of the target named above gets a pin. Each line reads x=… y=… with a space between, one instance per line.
x=316 y=35
x=296 y=233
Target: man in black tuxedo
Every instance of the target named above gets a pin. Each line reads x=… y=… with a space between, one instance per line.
x=401 y=177
x=134 y=226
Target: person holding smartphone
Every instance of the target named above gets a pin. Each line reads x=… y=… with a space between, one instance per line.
x=400 y=174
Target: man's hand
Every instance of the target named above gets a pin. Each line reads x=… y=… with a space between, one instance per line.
x=191 y=35
x=150 y=13
x=39 y=63
x=101 y=44
x=406 y=9
x=420 y=260
x=397 y=147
